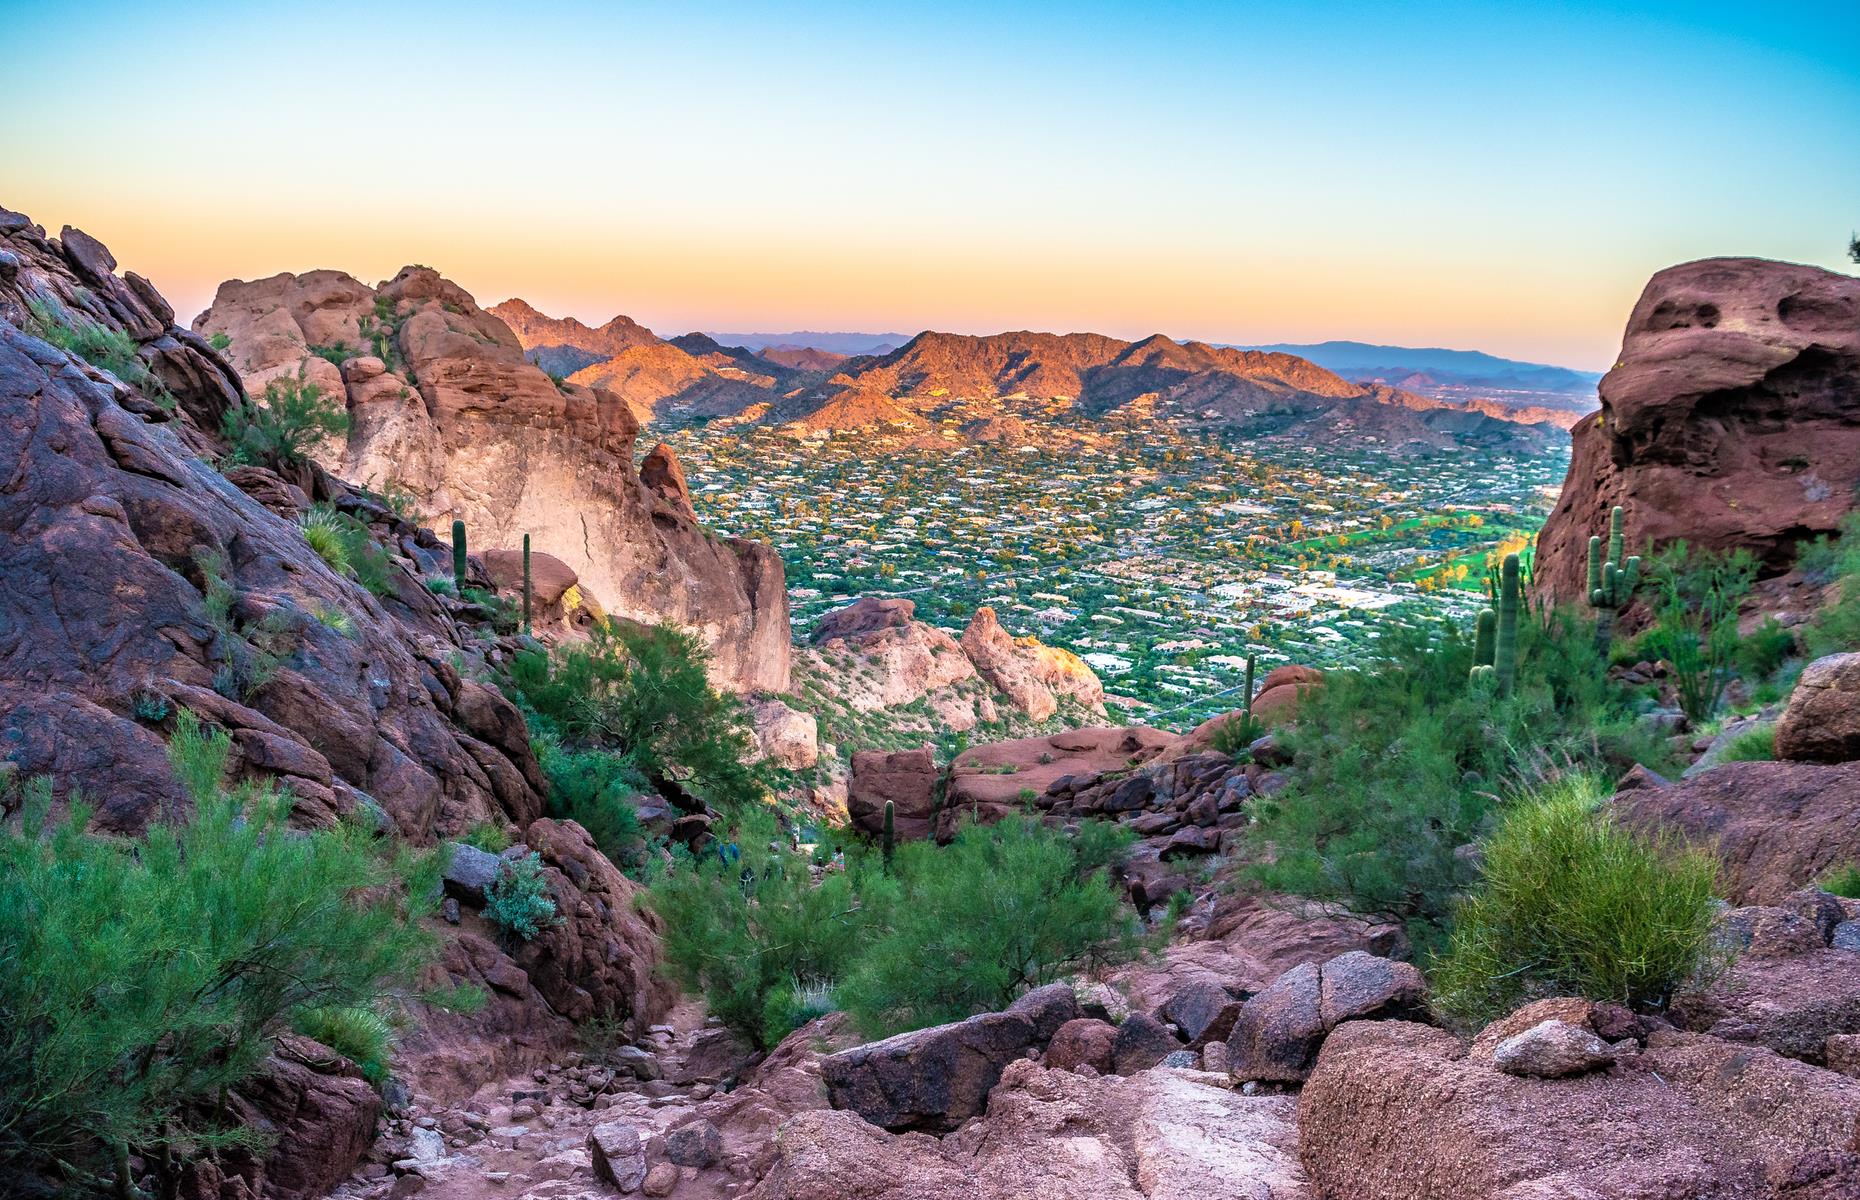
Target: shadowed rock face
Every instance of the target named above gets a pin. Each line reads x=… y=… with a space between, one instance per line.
x=1732 y=419
x=458 y=417
x=363 y=711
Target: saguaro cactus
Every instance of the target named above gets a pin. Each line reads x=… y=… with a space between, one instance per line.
x=1612 y=580
x=1484 y=637
x=526 y=585
x=1502 y=672
x=458 y=555
x=891 y=832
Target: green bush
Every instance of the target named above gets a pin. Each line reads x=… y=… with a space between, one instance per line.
x=1763 y=650
x=1001 y=909
x=487 y=836
x=1843 y=881
x=293 y=419
x=111 y=350
x=323 y=529
x=747 y=926
x=358 y=1033
x=1756 y=744
x=140 y=980
x=1397 y=762
x=1570 y=902
x=595 y=789
x=518 y=900
x=1695 y=621
x=643 y=691
x=221 y=342
x=1836 y=628
x=946 y=933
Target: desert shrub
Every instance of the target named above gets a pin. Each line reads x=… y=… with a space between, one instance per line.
x=1570 y=902
x=355 y=1031
x=1763 y=650
x=1397 y=764
x=748 y=928
x=1001 y=909
x=487 y=836
x=518 y=900
x=294 y=417
x=140 y=980
x=322 y=527
x=643 y=691
x=1756 y=744
x=1843 y=881
x=1695 y=621
x=335 y=353
x=111 y=350
x=1836 y=628
x=595 y=789
x=1236 y=733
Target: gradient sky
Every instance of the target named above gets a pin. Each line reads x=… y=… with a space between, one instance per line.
x=1421 y=174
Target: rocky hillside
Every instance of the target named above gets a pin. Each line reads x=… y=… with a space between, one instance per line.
x=447 y=411
x=1731 y=419
x=143 y=581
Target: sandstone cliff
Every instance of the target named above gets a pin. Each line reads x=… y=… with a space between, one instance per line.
x=1731 y=419
x=446 y=408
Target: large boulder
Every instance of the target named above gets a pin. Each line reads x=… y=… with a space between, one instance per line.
x=1397 y=1111
x=317 y=1114
x=905 y=779
x=932 y=1078
x=1277 y=1033
x=1821 y=722
x=1775 y=826
x=1731 y=419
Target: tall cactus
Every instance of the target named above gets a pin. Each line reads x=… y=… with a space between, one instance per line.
x=1612 y=580
x=526 y=585
x=458 y=555
x=1498 y=633
x=891 y=833
x=1505 y=637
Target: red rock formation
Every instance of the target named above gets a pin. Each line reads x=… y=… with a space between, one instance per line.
x=1034 y=676
x=1731 y=419
x=105 y=632
x=462 y=421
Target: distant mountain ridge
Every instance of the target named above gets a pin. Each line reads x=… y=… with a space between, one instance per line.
x=970 y=379
x=848 y=344
x=1450 y=372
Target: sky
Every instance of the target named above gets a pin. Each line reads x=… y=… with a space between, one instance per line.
x=1483 y=176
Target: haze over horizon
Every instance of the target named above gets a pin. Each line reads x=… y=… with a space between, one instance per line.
x=1507 y=184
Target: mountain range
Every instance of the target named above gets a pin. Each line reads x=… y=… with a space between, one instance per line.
x=965 y=380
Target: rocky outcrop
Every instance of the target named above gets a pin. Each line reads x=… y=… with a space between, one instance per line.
x=988 y=782
x=1821 y=722
x=363 y=705
x=1277 y=1033
x=1034 y=676
x=1775 y=826
x=1162 y=1135
x=445 y=408
x=558 y=602
x=1732 y=419
x=874 y=654
x=905 y=779
x=932 y=1078
x=1398 y=1111
x=316 y=1112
